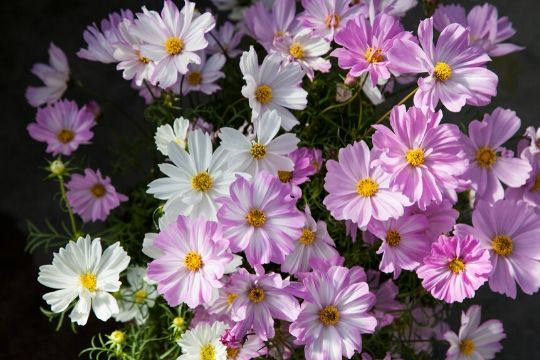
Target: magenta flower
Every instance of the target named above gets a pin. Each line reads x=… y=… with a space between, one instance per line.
x=441 y=218
x=306 y=163
x=195 y=255
x=404 y=242
x=267 y=26
x=261 y=219
x=530 y=192
x=333 y=315
x=365 y=46
x=456 y=70
x=358 y=192
x=63 y=126
x=92 y=196
x=487 y=168
x=229 y=39
x=327 y=17
x=510 y=231
x=456 y=268
x=423 y=156
x=261 y=298
x=487 y=30
x=533 y=137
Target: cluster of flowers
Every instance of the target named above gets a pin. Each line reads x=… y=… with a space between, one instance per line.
x=260 y=274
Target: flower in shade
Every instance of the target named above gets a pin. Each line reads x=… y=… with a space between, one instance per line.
x=273 y=86
x=253 y=347
x=391 y=7
x=265 y=152
x=404 y=242
x=63 y=126
x=92 y=196
x=202 y=77
x=533 y=135
x=426 y=325
x=81 y=270
x=487 y=30
x=441 y=218
x=456 y=69
x=261 y=219
x=424 y=157
x=327 y=17
x=172 y=39
x=202 y=342
x=483 y=147
x=313 y=243
x=225 y=40
x=333 y=315
x=238 y=7
x=136 y=300
x=475 y=340
x=306 y=163
x=358 y=192
x=510 y=231
x=177 y=133
x=194 y=180
x=195 y=255
x=386 y=306
x=261 y=299
x=455 y=269
x=365 y=46
x=54 y=75
x=530 y=192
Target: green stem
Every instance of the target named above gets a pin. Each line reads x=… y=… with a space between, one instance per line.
x=401 y=102
x=342 y=104
x=66 y=203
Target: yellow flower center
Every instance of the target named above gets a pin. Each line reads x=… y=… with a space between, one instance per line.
x=232 y=353
x=255 y=218
x=174 y=45
x=89 y=281
x=456 y=265
x=502 y=245
x=264 y=94
x=307 y=237
x=372 y=56
x=442 y=71
x=65 y=136
x=202 y=182
x=315 y=165
x=142 y=59
x=256 y=295
x=296 y=50
x=466 y=347
x=117 y=336
x=193 y=261
x=230 y=298
x=367 y=187
x=415 y=157
x=332 y=20
x=194 y=78
x=258 y=151
x=393 y=237
x=285 y=176
x=208 y=352
x=140 y=296
x=98 y=190
x=486 y=157
x=329 y=315
x=536 y=186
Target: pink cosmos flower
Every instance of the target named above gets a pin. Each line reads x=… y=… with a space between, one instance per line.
x=487 y=168
x=456 y=70
x=487 y=30
x=441 y=218
x=305 y=165
x=268 y=26
x=260 y=218
x=425 y=326
x=315 y=242
x=404 y=242
x=391 y=7
x=358 y=192
x=172 y=39
x=225 y=40
x=63 y=126
x=386 y=306
x=195 y=255
x=327 y=17
x=475 y=341
x=510 y=232
x=456 y=268
x=54 y=75
x=365 y=46
x=423 y=156
x=203 y=77
x=92 y=196
x=530 y=192
x=333 y=315
x=533 y=135
x=252 y=348
x=261 y=299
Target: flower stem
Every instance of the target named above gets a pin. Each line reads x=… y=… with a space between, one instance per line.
x=401 y=102
x=66 y=203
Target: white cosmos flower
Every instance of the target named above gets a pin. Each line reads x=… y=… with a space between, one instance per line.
x=136 y=299
x=177 y=133
x=262 y=153
x=202 y=342
x=81 y=270
x=273 y=86
x=203 y=77
x=194 y=180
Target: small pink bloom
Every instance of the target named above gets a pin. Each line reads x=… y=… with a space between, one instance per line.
x=327 y=17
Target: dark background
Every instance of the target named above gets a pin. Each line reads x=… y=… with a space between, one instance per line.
x=27 y=27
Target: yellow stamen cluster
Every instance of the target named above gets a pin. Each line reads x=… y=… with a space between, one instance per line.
x=285 y=176
x=486 y=157
x=256 y=295
x=442 y=71
x=202 y=182
x=367 y=187
x=194 y=78
x=174 y=45
x=373 y=56
x=208 y=352
x=456 y=265
x=332 y=20
x=230 y=298
x=415 y=157
x=466 y=347
x=502 y=245
x=255 y=218
x=296 y=50
x=65 y=136
x=264 y=94
x=142 y=59
x=89 y=281
x=257 y=151
x=329 y=315
x=393 y=237
x=140 y=296
x=193 y=261
x=307 y=237
x=98 y=190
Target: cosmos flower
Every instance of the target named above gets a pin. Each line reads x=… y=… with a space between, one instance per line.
x=54 y=75
x=327 y=17
x=253 y=347
x=237 y=8
x=225 y=40
x=63 y=126
x=195 y=255
x=202 y=77
x=475 y=340
x=441 y=218
x=273 y=86
x=135 y=301
x=177 y=133
x=456 y=69
x=203 y=342
x=386 y=306
x=455 y=269
x=307 y=161
x=358 y=192
x=81 y=270
x=530 y=192
x=92 y=196
x=396 y=8
x=534 y=137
